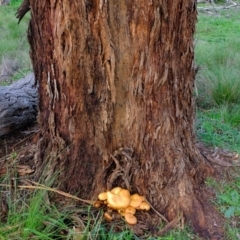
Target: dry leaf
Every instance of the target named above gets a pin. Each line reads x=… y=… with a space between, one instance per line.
x=24 y=170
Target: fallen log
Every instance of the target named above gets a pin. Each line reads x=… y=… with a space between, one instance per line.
x=18 y=105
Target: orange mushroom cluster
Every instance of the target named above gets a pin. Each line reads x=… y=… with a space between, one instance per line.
x=122 y=201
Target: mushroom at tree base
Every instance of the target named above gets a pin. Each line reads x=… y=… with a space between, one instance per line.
x=126 y=204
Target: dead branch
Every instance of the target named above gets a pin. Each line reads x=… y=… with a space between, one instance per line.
x=215 y=8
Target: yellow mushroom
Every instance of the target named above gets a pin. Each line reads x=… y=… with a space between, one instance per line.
x=125 y=193
x=130 y=218
x=130 y=209
x=107 y=216
x=136 y=200
x=97 y=204
x=144 y=206
x=102 y=196
x=116 y=190
x=120 y=200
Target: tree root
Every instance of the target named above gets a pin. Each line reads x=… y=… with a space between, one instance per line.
x=193 y=212
x=124 y=161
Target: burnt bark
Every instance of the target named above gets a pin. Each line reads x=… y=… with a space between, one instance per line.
x=116 y=83
x=18 y=105
x=22 y=10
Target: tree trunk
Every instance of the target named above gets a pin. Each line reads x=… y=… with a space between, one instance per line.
x=18 y=105
x=116 y=101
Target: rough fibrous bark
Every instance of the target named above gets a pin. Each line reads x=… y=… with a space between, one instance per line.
x=18 y=105
x=116 y=106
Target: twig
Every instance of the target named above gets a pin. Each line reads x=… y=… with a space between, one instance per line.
x=217 y=8
x=169 y=227
x=62 y=193
x=220 y=162
x=158 y=213
x=9 y=228
x=42 y=187
x=25 y=139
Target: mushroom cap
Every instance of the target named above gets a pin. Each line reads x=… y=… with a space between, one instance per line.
x=116 y=190
x=97 y=204
x=120 y=200
x=130 y=209
x=144 y=206
x=136 y=200
x=125 y=193
x=107 y=216
x=130 y=218
x=102 y=196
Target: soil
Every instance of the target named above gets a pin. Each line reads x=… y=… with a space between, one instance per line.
x=214 y=219
x=19 y=148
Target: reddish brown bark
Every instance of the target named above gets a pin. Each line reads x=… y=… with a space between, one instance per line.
x=116 y=104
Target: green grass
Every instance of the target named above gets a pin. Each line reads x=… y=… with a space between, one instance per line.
x=32 y=218
x=218 y=81
x=218 y=55
x=219 y=27
x=218 y=99
x=14 y=47
x=228 y=196
x=178 y=234
x=15 y=2
x=216 y=131
x=228 y=202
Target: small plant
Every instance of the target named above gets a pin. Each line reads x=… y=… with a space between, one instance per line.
x=226 y=87
x=229 y=200
x=231 y=114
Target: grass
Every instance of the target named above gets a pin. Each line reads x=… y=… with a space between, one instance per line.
x=218 y=100
x=32 y=218
x=228 y=196
x=228 y=201
x=215 y=128
x=218 y=82
x=218 y=124
x=14 y=48
x=218 y=55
